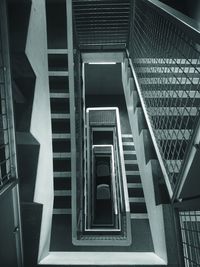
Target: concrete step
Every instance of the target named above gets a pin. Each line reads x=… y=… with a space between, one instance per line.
x=167 y=61
x=169 y=80
x=62 y=183
x=61 y=155
x=57 y=51
x=136 y=200
x=61 y=174
x=136 y=192
x=132 y=173
x=128 y=143
x=59 y=95
x=62 y=193
x=61 y=135
x=139 y=216
x=174 y=94
x=130 y=161
x=57 y=211
x=138 y=207
x=58 y=73
x=60 y=116
x=173 y=134
x=62 y=202
x=173 y=111
x=168 y=70
x=134 y=185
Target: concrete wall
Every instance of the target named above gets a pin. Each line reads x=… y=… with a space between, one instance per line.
x=36 y=50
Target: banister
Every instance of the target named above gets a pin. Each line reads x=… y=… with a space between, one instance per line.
x=160 y=159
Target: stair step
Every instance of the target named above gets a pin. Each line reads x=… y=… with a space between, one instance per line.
x=62 y=164
x=57 y=51
x=62 y=211
x=128 y=152
x=128 y=143
x=132 y=173
x=134 y=185
x=130 y=161
x=62 y=183
x=170 y=80
x=62 y=202
x=139 y=216
x=174 y=94
x=59 y=95
x=135 y=192
x=173 y=134
x=60 y=116
x=164 y=61
x=61 y=136
x=127 y=136
x=61 y=155
x=138 y=207
x=61 y=174
x=130 y=156
x=173 y=111
x=131 y=167
x=61 y=126
x=58 y=73
x=167 y=70
x=62 y=193
x=136 y=200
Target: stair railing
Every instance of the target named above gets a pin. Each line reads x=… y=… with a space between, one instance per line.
x=164 y=56
x=109 y=118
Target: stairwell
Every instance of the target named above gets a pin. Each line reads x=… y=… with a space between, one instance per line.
x=136 y=196
x=60 y=115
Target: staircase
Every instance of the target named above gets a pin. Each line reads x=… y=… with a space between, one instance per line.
x=60 y=115
x=136 y=196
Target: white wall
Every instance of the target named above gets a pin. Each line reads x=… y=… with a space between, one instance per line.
x=36 y=50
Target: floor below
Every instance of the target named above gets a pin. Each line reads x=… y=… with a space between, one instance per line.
x=61 y=237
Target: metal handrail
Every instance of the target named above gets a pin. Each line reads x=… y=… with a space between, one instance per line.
x=182 y=24
x=160 y=159
x=125 y=208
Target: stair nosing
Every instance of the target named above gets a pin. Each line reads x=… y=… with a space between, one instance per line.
x=59 y=211
x=61 y=174
x=136 y=200
x=66 y=193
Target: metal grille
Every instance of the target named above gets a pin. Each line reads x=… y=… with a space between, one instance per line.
x=5 y=154
x=190 y=231
x=101 y=23
x=166 y=60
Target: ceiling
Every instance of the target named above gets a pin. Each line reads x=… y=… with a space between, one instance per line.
x=102 y=24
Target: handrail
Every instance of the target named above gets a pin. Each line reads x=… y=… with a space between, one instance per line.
x=160 y=159
x=191 y=25
x=173 y=38
x=117 y=150
x=122 y=164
